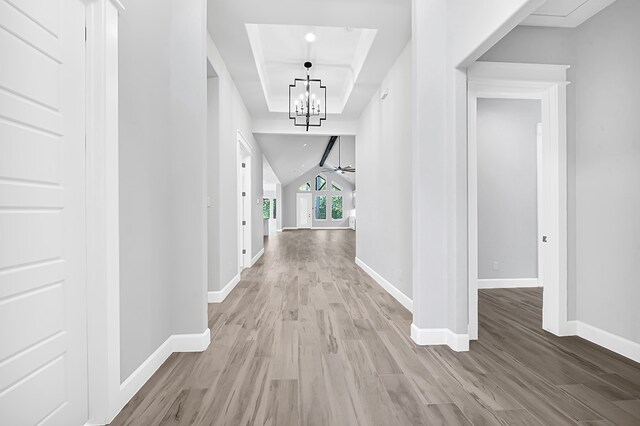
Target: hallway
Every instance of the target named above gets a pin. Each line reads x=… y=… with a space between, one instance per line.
x=308 y=338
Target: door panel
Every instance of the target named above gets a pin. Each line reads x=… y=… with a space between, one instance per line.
x=43 y=356
x=303 y=210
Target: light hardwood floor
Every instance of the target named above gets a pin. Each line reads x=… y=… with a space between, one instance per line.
x=307 y=338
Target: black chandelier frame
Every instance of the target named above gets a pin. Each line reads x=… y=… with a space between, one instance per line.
x=293 y=115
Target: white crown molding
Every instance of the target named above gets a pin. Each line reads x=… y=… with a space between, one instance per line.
x=118 y=4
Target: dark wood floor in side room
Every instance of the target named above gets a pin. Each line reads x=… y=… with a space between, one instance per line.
x=307 y=338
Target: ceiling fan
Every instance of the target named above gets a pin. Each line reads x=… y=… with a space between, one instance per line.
x=340 y=169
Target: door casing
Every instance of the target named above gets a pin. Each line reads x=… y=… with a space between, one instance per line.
x=546 y=83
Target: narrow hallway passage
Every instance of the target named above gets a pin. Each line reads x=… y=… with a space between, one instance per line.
x=308 y=338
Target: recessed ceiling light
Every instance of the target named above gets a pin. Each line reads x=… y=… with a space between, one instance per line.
x=310 y=37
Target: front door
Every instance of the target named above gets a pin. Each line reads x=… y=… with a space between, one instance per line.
x=43 y=342
x=303 y=210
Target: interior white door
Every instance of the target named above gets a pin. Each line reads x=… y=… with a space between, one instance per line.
x=43 y=349
x=303 y=210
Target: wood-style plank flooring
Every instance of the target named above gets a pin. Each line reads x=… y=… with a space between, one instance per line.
x=307 y=338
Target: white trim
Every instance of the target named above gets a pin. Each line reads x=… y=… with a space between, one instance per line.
x=175 y=343
x=390 y=288
x=508 y=283
x=257 y=256
x=320 y=228
x=102 y=211
x=219 y=296
x=244 y=144
x=615 y=343
x=546 y=83
x=317 y=228
x=118 y=5
x=244 y=153
x=587 y=10
x=440 y=336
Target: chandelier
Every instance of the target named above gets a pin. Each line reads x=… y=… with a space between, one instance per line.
x=307 y=101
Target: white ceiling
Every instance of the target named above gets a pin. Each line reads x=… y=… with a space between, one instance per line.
x=291 y=156
x=566 y=13
x=337 y=55
x=269 y=178
x=357 y=42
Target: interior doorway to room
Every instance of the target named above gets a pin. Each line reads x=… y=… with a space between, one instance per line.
x=303 y=210
x=244 y=202
x=517 y=185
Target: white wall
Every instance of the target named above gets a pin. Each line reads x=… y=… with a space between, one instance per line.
x=507 y=188
x=604 y=154
x=383 y=150
x=233 y=116
x=213 y=219
x=162 y=73
x=447 y=36
x=289 y=200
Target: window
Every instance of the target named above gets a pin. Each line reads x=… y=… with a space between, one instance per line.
x=321 y=183
x=274 y=208
x=305 y=187
x=266 y=208
x=321 y=207
x=336 y=207
x=335 y=187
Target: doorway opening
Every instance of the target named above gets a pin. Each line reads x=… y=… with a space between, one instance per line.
x=506 y=224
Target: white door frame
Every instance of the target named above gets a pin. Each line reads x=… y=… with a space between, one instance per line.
x=546 y=83
x=308 y=195
x=244 y=154
x=106 y=398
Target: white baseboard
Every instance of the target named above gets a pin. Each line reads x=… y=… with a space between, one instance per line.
x=257 y=257
x=320 y=228
x=175 y=343
x=615 y=343
x=508 y=283
x=316 y=228
x=390 y=288
x=219 y=296
x=440 y=336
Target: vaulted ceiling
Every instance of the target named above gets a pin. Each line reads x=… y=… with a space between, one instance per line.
x=291 y=156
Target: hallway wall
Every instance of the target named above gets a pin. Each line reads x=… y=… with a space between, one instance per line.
x=233 y=117
x=162 y=72
x=383 y=150
x=603 y=174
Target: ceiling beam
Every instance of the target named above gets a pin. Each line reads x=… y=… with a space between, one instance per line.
x=328 y=149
